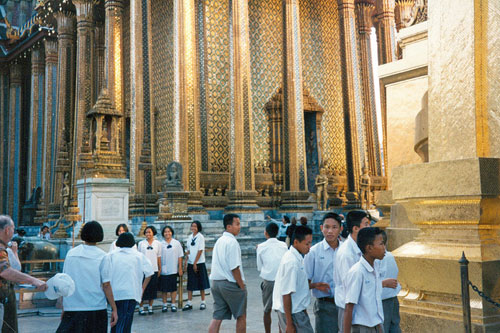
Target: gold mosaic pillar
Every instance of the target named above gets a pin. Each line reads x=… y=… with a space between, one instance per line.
x=80 y=153
x=50 y=109
x=294 y=196
x=353 y=104
x=65 y=102
x=100 y=48
x=36 y=119
x=241 y=192
x=364 y=12
x=187 y=148
x=455 y=198
x=386 y=31
x=4 y=130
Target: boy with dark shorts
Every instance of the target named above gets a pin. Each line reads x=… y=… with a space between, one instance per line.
x=363 y=297
x=228 y=286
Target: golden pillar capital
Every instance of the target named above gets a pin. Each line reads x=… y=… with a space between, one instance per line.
x=84 y=13
x=386 y=31
x=15 y=74
x=65 y=24
x=403 y=13
x=37 y=61
x=50 y=45
x=364 y=11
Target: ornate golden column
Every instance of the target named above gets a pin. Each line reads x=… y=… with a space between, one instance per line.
x=50 y=117
x=241 y=192
x=100 y=48
x=364 y=11
x=65 y=102
x=454 y=199
x=353 y=103
x=4 y=130
x=36 y=120
x=386 y=31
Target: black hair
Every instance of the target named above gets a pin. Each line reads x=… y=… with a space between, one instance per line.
x=21 y=232
x=366 y=237
x=92 y=232
x=153 y=229
x=126 y=239
x=334 y=216
x=303 y=220
x=228 y=219
x=301 y=232
x=354 y=219
x=121 y=225
x=272 y=229
x=384 y=237
x=198 y=225
x=43 y=227
x=165 y=227
x=286 y=218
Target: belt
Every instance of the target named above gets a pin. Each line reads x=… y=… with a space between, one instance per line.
x=327 y=299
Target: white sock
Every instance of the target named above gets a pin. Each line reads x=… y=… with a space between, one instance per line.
x=189 y=302
x=142 y=308
x=202 y=302
x=165 y=304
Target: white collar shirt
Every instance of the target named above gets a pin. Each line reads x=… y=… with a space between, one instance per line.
x=89 y=271
x=193 y=245
x=320 y=265
x=226 y=256
x=128 y=267
x=170 y=256
x=113 y=247
x=364 y=290
x=389 y=270
x=348 y=254
x=151 y=251
x=269 y=254
x=291 y=279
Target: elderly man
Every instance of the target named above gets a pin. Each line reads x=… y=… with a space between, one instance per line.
x=9 y=276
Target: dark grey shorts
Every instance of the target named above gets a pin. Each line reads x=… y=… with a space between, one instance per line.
x=267 y=294
x=300 y=321
x=229 y=300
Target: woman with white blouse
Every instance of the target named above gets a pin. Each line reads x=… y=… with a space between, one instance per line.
x=171 y=267
x=120 y=229
x=151 y=248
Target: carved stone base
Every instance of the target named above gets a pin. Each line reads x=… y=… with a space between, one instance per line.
x=177 y=203
x=296 y=202
x=243 y=202
x=195 y=206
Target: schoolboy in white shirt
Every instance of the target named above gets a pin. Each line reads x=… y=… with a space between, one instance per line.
x=291 y=295
x=389 y=274
x=363 y=309
x=320 y=265
x=348 y=254
x=269 y=254
x=228 y=281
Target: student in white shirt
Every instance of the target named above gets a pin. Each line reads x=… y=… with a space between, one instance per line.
x=228 y=281
x=269 y=255
x=86 y=309
x=130 y=274
x=291 y=295
x=171 y=266
x=347 y=255
x=120 y=229
x=363 y=309
x=389 y=274
x=195 y=266
x=44 y=233
x=283 y=226
x=320 y=265
x=151 y=248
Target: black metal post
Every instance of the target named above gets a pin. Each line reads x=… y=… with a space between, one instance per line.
x=464 y=277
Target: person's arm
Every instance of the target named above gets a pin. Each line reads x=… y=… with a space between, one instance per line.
x=237 y=276
x=321 y=286
x=390 y=283
x=106 y=287
x=159 y=265
x=145 y=283
x=198 y=255
x=287 y=307
x=12 y=275
x=348 y=317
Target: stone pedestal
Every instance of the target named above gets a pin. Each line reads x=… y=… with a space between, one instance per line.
x=177 y=203
x=295 y=201
x=243 y=203
x=106 y=201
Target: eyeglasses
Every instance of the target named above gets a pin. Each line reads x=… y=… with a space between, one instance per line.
x=169 y=246
x=149 y=247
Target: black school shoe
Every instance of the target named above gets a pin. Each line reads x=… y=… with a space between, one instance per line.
x=187 y=307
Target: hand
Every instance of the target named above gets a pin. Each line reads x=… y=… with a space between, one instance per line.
x=390 y=283
x=268 y=217
x=114 y=318
x=322 y=286
x=40 y=285
x=290 y=328
x=62 y=314
x=195 y=268
x=159 y=272
x=14 y=247
x=244 y=287
x=180 y=272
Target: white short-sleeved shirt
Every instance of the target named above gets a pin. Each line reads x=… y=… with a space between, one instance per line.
x=364 y=290
x=113 y=247
x=89 y=271
x=226 y=256
x=151 y=251
x=389 y=270
x=170 y=254
x=128 y=267
x=348 y=254
x=199 y=244
x=13 y=260
x=320 y=265
x=269 y=254
x=291 y=279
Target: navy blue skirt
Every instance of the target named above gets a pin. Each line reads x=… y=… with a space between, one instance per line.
x=168 y=283
x=152 y=288
x=198 y=280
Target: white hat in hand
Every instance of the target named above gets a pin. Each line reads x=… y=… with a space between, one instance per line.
x=59 y=285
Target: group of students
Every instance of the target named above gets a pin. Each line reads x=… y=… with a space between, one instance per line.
x=129 y=274
x=354 y=282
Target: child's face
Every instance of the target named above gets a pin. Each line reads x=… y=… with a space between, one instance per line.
x=377 y=250
x=235 y=227
x=304 y=246
x=331 y=229
x=149 y=233
x=167 y=234
x=121 y=231
x=194 y=228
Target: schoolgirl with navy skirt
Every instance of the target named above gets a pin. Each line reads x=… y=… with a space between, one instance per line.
x=151 y=248
x=171 y=267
